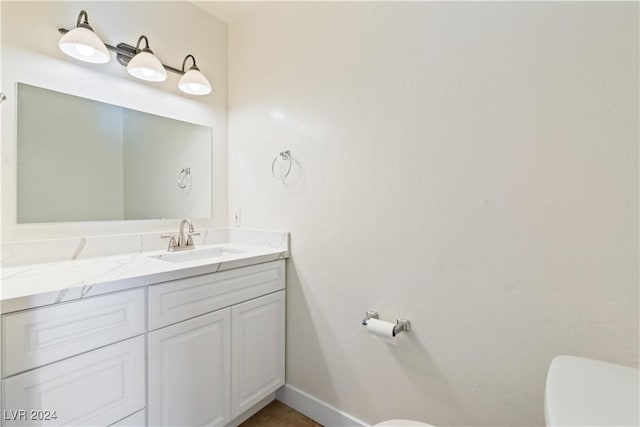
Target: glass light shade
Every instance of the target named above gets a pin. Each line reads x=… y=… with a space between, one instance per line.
x=85 y=45
x=194 y=82
x=145 y=66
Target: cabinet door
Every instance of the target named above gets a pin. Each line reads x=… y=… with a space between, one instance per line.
x=257 y=350
x=96 y=388
x=189 y=372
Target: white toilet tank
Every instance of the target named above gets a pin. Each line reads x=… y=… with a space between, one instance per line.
x=586 y=392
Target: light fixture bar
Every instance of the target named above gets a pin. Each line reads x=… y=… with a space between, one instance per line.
x=124 y=53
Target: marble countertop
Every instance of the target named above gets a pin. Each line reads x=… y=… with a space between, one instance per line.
x=33 y=285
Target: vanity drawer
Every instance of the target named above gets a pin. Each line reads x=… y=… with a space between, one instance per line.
x=174 y=301
x=33 y=338
x=100 y=387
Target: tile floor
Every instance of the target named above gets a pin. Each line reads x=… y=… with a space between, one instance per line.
x=277 y=414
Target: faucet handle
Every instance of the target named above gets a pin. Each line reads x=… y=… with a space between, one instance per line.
x=172 y=242
x=190 y=240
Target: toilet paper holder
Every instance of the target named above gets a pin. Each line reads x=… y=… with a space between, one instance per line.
x=402 y=325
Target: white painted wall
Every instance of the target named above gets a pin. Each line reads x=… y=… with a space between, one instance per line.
x=472 y=167
x=30 y=54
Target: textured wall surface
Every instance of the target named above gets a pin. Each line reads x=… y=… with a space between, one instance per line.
x=472 y=167
x=30 y=54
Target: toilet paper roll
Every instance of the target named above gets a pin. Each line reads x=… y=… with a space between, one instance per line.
x=381 y=330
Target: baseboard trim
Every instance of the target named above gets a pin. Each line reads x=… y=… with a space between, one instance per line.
x=315 y=409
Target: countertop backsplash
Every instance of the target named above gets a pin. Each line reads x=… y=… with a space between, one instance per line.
x=15 y=254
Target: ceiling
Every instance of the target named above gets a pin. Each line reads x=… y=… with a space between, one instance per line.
x=228 y=11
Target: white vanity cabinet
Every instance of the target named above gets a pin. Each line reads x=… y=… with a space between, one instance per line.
x=209 y=369
x=201 y=350
x=76 y=363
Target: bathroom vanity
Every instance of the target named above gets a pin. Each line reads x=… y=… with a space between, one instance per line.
x=155 y=340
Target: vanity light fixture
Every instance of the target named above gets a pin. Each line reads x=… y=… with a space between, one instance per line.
x=84 y=44
x=144 y=65
x=193 y=81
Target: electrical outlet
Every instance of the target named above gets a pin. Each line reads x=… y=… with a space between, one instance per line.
x=236 y=217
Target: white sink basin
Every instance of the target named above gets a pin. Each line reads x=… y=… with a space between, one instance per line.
x=196 y=254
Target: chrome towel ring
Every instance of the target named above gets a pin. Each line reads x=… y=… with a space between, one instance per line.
x=286 y=157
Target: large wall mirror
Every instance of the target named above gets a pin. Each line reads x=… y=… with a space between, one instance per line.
x=84 y=160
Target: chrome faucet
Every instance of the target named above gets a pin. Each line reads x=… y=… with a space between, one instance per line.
x=182 y=242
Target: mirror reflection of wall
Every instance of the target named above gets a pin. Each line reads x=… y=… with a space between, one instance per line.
x=83 y=160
